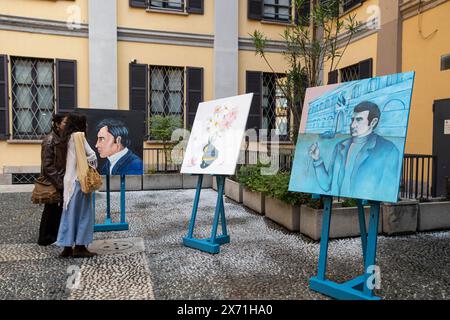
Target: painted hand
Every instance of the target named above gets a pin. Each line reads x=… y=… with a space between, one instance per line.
x=314 y=151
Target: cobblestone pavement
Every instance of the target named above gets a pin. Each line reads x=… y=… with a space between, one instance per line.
x=263 y=261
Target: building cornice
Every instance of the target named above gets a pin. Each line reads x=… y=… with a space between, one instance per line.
x=42 y=26
x=165 y=37
x=410 y=8
x=61 y=28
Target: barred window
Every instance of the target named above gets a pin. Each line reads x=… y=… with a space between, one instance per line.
x=32 y=97
x=275 y=111
x=350 y=73
x=277 y=10
x=167 y=91
x=167 y=4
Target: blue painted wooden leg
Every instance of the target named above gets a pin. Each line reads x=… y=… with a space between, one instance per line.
x=371 y=244
x=122 y=199
x=224 y=238
x=362 y=227
x=327 y=202
x=195 y=207
x=108 y=199
x=219 y=205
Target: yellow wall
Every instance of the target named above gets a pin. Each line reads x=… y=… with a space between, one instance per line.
x=39 y=46
x=46 y=9
x=359 y=50
x=249 y=62
x=164 y=55
x=140 y=19
x=19 y=155
x=424 y=56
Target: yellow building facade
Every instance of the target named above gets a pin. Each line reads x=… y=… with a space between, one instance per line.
x=103 y=42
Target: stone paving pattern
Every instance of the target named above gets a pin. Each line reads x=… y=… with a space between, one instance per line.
x=263 y=260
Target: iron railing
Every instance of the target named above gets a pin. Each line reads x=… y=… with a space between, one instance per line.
x=418 y=179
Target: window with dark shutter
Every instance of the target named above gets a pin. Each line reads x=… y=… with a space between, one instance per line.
x=302 y=14
x=365 y=69
x=4 y=105
x=66 y=85
x=333 y=77
x=255 y=9
x=138 y=3
x=349 y=4
x=253 y=82
x=138 y=86
x=445 y=62
x=195 y=6
x=194 y=90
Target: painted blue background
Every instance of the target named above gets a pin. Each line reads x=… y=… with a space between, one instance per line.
x=331 y=114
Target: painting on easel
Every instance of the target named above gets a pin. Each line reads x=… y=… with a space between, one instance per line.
x=216 y=136
x=352 y=138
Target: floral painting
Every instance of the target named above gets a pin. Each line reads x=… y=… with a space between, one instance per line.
x=216 y=136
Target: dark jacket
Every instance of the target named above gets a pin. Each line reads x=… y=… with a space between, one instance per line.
x=53 y=159
x=129 y=164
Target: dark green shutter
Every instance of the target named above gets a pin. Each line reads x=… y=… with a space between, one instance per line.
x=4 y=100
x=255 y=9
x=333 y=77
x=348 y=4
x=365 y=69
x=138 y=86
x=195 y=6
x=253 y=83
x=194 y=91
x=66 y=85
x=303 y=13
x=138 y=3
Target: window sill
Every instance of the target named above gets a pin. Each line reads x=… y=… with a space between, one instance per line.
x=274 y=22
x=180 y=13
x=24 y=141
x=278 y=143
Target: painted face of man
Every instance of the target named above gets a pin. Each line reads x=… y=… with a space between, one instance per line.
x=106 y=145
x=360 y=126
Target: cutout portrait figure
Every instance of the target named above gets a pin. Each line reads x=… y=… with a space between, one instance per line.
x=366 y=161
x=113 y=142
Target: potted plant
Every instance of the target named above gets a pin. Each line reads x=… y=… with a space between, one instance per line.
x=254 y=187
x=281 y=205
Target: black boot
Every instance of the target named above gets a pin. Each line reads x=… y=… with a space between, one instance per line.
x=82 y=252
x=67 y=252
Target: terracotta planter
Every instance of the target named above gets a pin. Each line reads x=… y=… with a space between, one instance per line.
x=283 y=213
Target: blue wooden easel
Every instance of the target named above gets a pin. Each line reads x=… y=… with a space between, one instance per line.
x=109 y=225
x=211 y=244
x=357 y=288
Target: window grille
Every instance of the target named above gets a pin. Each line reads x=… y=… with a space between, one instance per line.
x=177 y=5
x=275 y=111
x=24 y=178
x=350 y=73
x=167 y=91
x=32 y=97
x=277 y=10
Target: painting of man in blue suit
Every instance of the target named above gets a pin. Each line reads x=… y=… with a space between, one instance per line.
x=366 y=161
x=113 y=142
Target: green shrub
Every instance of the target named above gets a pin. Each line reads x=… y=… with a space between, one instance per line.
x=347 y=203
x=275 y=186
